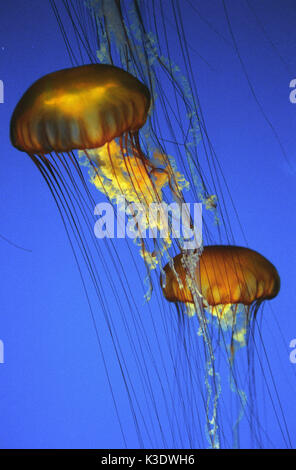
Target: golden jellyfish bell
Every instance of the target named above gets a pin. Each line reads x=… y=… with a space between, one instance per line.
x=224 y=275
x=79 y=108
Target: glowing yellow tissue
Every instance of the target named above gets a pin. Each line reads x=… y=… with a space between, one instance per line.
x=123 y=175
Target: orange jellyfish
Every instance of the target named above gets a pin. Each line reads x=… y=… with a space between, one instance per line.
x=79 y=108
x=224 y=286
x=96 y=106
x=224 y=279
x=225 y=275
x=97 y=109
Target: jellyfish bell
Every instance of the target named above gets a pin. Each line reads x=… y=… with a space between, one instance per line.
x=225 y=275
x=97 y=109
x=79 y=108
x=229 y=280
x=83 y=108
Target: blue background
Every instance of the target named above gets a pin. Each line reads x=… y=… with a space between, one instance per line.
x=53 y=391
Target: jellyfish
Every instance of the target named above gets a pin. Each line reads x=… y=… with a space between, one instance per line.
x=85 y=108
x=225 y=275
x=228 y=284
x=97 y=109
x=79 y=108
x=229 y=280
